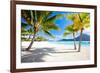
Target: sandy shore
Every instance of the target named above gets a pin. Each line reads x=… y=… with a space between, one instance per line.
x=46 y=52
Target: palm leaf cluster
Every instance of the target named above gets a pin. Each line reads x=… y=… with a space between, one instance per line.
x=40 y=21
x=80 y=22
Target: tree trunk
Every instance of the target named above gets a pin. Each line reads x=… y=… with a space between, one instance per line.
x=33 y=23
x=74 y=41
x=79 y=48
x=29 y=47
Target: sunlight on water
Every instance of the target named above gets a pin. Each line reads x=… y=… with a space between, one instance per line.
x=83 y=43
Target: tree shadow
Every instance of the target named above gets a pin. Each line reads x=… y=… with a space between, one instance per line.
x=36 y=55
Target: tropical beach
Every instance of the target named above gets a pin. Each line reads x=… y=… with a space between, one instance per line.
x=54 y=36
x=46 y=52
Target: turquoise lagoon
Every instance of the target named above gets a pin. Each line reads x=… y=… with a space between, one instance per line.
x=71 y=43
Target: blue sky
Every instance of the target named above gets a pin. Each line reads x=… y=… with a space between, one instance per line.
x=62 y=23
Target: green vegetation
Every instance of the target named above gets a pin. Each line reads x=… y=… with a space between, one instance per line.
x=80 y=22
x=39 y=38
x=39 y=21
x=44 y=21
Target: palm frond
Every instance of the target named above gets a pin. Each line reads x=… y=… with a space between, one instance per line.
x=85 y=19
x=66 y=33
x=51 y=27
x=48 y=33
x=50 y=19
x=70 y=28
x=70 y=16
x=26 y=15
x=53 y=18
x=83 y=15
x=43 y=15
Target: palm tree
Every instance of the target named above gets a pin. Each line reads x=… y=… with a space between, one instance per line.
x=40 y=21
x=70 y=30
x=85 y=23
x=80 y=22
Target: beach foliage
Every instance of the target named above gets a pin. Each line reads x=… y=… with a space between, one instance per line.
x=39 y=21
x=80 y=22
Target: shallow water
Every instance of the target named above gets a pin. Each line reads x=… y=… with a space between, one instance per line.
x=83 y=43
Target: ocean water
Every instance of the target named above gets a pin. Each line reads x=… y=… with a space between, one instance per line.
x=71 y=43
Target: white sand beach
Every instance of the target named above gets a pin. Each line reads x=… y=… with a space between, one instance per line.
x=46 y=52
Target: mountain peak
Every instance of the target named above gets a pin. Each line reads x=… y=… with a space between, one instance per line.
x=85 y=37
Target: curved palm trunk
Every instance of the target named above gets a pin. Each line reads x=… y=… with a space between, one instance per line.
x=29 y=47
x=74 y=41
x=79 y=48
x=33 y=23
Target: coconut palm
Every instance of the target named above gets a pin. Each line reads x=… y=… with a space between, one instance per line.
x=40 y=21
x=85 y=23
x=70 y=30
x=80 y=22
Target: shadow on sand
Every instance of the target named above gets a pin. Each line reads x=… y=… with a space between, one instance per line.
x=36 y=55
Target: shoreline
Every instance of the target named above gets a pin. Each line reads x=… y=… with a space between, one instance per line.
x=46 y=52
x=43 y=44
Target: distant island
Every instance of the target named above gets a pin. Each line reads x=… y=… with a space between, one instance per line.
x=85 y=37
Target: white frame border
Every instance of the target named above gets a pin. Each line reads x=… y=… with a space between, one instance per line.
x=20 y=65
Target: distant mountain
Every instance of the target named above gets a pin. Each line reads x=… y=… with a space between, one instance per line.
x=85 y=37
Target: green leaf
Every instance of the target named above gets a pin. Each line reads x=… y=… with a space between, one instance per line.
x=48 y=33
x=67 y=33
x=50 y=20
x=71 y=16
x=83 y=15
x=51 y=27
x=69 y=28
